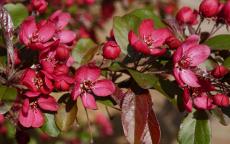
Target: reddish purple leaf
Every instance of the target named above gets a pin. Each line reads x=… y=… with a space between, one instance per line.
x=138 y=119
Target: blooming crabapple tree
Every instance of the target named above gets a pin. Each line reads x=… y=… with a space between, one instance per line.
x=51 y=59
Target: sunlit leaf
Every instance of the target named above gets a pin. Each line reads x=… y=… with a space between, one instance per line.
x=50 y=126
x=66 y=115
x=219 y=42
x=18 y=12
x=84 y=51
x=194 y=131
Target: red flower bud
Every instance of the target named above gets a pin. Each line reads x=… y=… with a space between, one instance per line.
x=209 y=8
x=173 y=42
x=226 y=11
x=61 y=70
x=1 y=118
x=62 y=53
x=187 y=16
x=39 y=5
x=221 y=100
x=220 y=71
x=111 y=50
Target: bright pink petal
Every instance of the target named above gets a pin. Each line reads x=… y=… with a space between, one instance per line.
x=70 y=61
x=60 y=18
x=88 y=101
x=66 y=36
x=46 y=32
x=187 y=102
x=191 y=41
x=27 y=29
x=176 y=73
x=86 y=72
x=203 y=102
x=28 y=79
x=103 y=88
x=38 y=118
x=146 y=28
x=189 y=78
x=25 y=107
x=133 y=38
x=26 y=120
x=158 y=51
x=47 y=103
x=32 y=94
x=177 y=56
x=198 y=54
x=76 y=91
x=159 y=37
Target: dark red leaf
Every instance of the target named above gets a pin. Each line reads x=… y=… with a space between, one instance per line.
x=138 y=119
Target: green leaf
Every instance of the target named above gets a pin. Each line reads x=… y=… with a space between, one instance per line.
x=11 y=129
x=121 y=30
x=50 y=126
x=107 y=102
x=194 y=131
x=7 y=93
x=145 y=81
x=227 y=62
x=147 y=13
x=84 y=51
x=66 y=115
x=219 y=42
x=116 y=66
x=18 y=12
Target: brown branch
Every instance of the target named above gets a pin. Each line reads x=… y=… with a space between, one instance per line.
x=7 y=31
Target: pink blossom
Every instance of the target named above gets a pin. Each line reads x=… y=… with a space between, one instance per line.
x=111 y=50
x=220 y=71
x=203 y=102
x=63 y=82
x=60 y=19
x=209 y=8
x=104 y=124
x=187 y=101
x=221 y=100
x=36 y=36
x=37 y=82
x=31 y=113
x=188 y=56
x=149 y=40
x=226 y=11
x=187 y=16
x=87 y=85
x=39 y=5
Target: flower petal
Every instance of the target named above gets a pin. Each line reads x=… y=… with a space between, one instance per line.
x=88 y=101
x=87 y=72
x=38 y=118
x=198 y=54
x=46 y=31
x=76 y=91
x=25 y=107
x=26 y=120
x=159 y=36
x=47 y=103
x=187 y=102
x=203 y=102
x=146 y=28
x=158 y=51
x=176 y=73
x=189 y=78
x=66 y=36
x=103 y=88
x=32 y=94
x=191 y=41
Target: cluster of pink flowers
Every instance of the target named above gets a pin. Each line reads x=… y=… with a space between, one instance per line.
x=208 y=9
x=54 y=43
x=202 y=88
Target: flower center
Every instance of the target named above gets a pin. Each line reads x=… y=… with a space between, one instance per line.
x=38 y=82
x=34 y=38
x=148 y=40
x=86 y=85
x=34 y=104
x=184 y=63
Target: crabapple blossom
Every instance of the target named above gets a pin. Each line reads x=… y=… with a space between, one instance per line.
x=187 y=16
x=188 y=56
x=87 y=84
x=209 y=8
x=31 y=114
x=149 y=40
x=219 y=71
x=39 y=5
x=111 y=50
